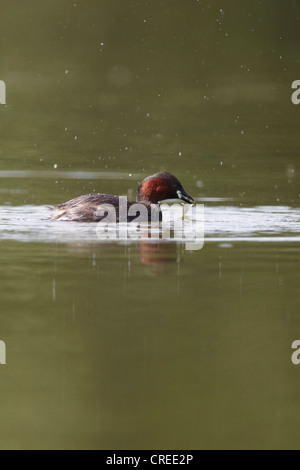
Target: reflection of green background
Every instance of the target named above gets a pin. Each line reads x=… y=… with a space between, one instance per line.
x=104 y=348
x=139 y=100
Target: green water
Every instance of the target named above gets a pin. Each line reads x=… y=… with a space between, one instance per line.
x=131 y=346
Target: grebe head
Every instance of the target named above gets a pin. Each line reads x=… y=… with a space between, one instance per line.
x=162 y=186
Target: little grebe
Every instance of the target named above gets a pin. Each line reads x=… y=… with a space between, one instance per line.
x=151 y=191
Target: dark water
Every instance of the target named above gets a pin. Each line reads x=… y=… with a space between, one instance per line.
x=139 y=344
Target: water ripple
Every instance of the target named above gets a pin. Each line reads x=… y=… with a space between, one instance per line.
x=222 y=224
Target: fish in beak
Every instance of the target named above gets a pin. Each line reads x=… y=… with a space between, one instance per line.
x=184 y=196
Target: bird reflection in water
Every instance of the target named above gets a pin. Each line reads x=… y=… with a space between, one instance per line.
x=157 y=254
x=160 y=256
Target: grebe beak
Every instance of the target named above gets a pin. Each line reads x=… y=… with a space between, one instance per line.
x=185 y=197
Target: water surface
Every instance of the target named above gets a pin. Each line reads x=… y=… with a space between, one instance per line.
x=145 y=344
